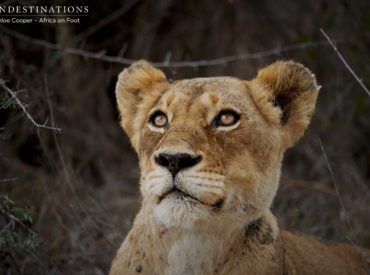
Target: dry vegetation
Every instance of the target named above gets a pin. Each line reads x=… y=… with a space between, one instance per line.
x=80 y=185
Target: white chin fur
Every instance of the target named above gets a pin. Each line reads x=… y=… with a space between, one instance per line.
x=174 y=212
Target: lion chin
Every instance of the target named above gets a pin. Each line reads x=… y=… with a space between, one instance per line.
x=179 y=210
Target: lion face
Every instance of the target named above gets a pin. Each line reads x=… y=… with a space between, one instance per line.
x=204 y=149
x=211 y=148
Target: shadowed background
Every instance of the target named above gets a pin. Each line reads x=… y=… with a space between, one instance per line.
x=80 y=185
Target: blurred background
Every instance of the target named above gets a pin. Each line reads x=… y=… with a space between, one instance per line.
x=69 y=197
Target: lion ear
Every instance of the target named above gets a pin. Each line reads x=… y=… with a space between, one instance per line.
x=136 y=84
x=291 y=88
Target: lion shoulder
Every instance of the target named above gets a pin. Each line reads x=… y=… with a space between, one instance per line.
x=305 y=255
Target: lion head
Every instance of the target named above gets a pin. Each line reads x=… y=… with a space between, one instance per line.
x=210 y=149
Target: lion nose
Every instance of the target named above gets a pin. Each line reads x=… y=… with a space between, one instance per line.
x=176 y=162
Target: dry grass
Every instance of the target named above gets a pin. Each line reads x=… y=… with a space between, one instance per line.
x=81 y=184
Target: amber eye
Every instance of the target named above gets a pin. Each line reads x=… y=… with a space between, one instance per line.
x=158 y=119
x=226 y=118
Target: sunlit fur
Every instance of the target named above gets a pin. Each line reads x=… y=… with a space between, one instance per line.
x=223 y=225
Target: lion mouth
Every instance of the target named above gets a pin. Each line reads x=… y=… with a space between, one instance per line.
x=178 y=194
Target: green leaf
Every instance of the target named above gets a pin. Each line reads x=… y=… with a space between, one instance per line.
x=18 y=211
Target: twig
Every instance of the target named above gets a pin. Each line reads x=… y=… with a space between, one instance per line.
x=9 y=100
x=352 y=239
x=180 y=64
x=349 y=224
x=123 y=50
x=345 y=62
x=18 y=221
x=24 y=109
x=6 y=227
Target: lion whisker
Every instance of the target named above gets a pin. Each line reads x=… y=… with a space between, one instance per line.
x=205 y=178
x=208 y=185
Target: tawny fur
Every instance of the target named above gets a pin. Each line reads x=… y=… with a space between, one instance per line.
x=226 y=227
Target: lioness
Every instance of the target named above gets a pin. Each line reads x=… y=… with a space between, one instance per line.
x=210 y=153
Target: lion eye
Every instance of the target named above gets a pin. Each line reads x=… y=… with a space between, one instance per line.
x=158 y=119
x=226 y=118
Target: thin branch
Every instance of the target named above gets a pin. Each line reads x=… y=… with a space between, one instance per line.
x=352 y=238
x=9 y=99
x=24 y=108
x=180 y=64
x=334 y=181
x=359 y=80
x=18 y=221
x=123 y=50
x=6 y=227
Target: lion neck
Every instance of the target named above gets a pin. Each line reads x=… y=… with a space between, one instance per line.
x=256 y=245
